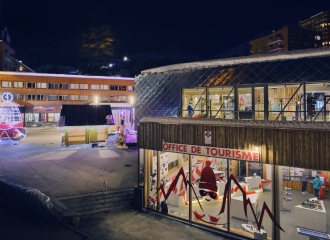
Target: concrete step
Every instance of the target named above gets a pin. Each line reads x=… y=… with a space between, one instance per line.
x=96 y=198
x=99 y=202
x=103 y=207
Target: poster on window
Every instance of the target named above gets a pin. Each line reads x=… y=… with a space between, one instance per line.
x=163 y=163
x=245 y=102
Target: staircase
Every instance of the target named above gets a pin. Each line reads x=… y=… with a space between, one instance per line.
x=91 y=203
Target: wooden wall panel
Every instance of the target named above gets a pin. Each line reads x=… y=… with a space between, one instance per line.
x=287 y=147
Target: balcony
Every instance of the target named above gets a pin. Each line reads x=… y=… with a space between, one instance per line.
x=275 y=40
x=275 y=48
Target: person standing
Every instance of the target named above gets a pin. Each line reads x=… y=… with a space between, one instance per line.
x=190 y=110
x=317 y=183
x=304 y=183
x=122 y=122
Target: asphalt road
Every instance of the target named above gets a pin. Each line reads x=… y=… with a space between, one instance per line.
x=42 y=163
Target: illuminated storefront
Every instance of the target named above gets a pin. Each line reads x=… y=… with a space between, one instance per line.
x=269 y=170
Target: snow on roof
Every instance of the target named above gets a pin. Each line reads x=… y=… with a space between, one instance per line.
x=63 y=75
x=291 y=55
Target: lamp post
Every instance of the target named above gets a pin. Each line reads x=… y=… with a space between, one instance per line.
x=132 y=102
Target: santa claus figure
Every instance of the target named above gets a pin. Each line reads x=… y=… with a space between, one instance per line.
x=208 y=190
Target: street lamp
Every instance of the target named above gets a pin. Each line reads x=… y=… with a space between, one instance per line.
x=132 y=103
x=125 y=59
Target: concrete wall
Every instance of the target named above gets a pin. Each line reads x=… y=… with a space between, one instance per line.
x=26 y=200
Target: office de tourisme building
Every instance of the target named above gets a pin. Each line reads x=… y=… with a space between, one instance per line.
x=248 y=131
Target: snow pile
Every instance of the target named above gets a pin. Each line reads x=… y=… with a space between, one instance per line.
x=35 y=192
x=241 y=123
x=111 y=142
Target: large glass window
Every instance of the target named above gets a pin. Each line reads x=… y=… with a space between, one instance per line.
x=244 y=101
x=317 y=101
x=194 y=102
x=284 y=102
x=303 y=202
x=259 y=103
x=222 y=103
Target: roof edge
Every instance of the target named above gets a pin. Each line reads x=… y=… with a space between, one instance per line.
x=63 y=75
x=290 y=55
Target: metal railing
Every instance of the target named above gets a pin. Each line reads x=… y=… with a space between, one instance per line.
x=316 y=115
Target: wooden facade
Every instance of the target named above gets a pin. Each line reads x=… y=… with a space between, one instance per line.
x=287 y=147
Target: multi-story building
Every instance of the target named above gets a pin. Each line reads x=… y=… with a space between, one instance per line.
x=41 y=96
x=319 y=22
x=286 y=39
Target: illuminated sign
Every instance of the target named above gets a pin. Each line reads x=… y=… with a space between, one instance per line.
x=245 y=155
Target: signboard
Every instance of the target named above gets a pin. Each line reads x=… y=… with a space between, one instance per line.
x=207 y=137
x=245 y=155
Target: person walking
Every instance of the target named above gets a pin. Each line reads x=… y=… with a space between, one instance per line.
x=304 y=183
x=317 y=183
x=190 y=110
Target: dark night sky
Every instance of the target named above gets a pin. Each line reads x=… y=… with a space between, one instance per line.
x=203 y=28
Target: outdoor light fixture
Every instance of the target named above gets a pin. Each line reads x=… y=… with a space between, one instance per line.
x=95 y=99
x=110 y=65
x=125 y=58
x=256 y=148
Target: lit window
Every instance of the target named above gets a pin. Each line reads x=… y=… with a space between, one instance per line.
x=104 y=98
x=18 y=84
x=74 y=98
x=41 y=85
x=74 y=86
x=83 y=86
x=83 y=97
x=130 y=88
x=95 y=87
x=6 y=84
x=318 y=37
x=122 y=98
x=104 y=87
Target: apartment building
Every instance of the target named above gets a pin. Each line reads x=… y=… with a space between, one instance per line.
x=286 y=39
x=41 y=96
x=319 y=22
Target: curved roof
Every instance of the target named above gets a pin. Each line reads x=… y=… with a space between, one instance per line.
x=305 y=53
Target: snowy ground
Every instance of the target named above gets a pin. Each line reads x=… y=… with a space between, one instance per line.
x=41 y=162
